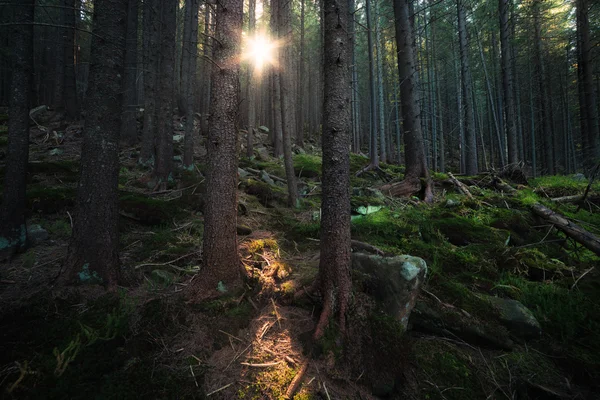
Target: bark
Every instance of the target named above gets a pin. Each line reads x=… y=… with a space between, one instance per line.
x=188 y=77
x=70 y=84
x=380 y=102
x=128 y=120
x=471 y=167
x=300 y=98
x=334 y=268
x=58 y=54
x=277 y=122
x=414 y=149
x=221 y=264
x=13 y=232
x=585 y=67
x=164 y=107
x=575 y=232
x=207 y=53
x=287 y=99
x=93 y=255
x=507 y=84
x=151 y=52
x=373 y=154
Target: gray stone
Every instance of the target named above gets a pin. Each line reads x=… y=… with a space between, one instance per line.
x=262 y=154
x=394 y=282
x=36 y=234
x=263 y=129
x=266 y=178
x=178 y=138
x=519 y=320
x=452 y=203
x=243 y=173
x=579 y=177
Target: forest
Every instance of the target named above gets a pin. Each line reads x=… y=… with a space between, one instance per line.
x=307 y=199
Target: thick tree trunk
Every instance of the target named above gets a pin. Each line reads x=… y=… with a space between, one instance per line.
x=13 y=231
x=188 y=77
x=287 y=100
x=71 y=103
x=164 y=107
x=93 y=255
x=151 y=52
x=334 y=268
x=507 y=84
x=414 y=149
x=221 y=263
x=471 y=167
x=128 y=120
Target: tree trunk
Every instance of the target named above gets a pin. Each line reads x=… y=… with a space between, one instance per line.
x=277 y=122
x=164 y=107
x=93 y=255
x=151 y=52
x=507 y=84
x=471 y=167
x=373 y=154
x=70 y=85
x=250 y=86
x=414 y=149
x=287 y=100
x=300 y=98
x=188 y=78
x=591 y=129
x=128 y=120
x=13 y=231
x=380 y=102
x=221 y=263
x=334 y=268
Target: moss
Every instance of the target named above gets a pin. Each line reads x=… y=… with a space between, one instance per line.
x=561 y=185
x=264 y=192
x=259 y=245
x=59 y=229
x=50 y=200
x=147 y=210
x=306 y=165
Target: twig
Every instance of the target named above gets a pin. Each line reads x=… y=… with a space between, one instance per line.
x=166 y=263
x=194 y=376
x=587 y=189
x=276 y=313
x=263 y=365
x=218 y=390
x=70 y=218
x=296 y=381
x=326 y=392
x=230 y=335
x=582 y=275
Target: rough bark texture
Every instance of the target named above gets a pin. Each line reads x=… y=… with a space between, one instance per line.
x=300 y=98
x=151 y=51
x=221 y=264
x=93 y=255
x=287 y=100
x=414 y=149
x=373 y=154
x=277 y=122
x=13 y=232
x=128 y=121
x=471 y=167
x=188 y=77
x=507 y=84
x=70 y=84
x=166 y=89
x=334 y=268
x=250 y=86
x=588 y=99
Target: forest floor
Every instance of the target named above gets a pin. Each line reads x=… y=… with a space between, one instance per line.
x=149 y=342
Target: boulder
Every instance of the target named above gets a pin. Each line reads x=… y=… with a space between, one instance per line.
x=36 y=234
x=266 y=178
x=394 y=282
x=178 y=138
x=519 y=320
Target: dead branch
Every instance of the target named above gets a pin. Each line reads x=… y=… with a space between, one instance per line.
x=460 y=186
x=289 y=394
x=356 y=245
x=587 y=189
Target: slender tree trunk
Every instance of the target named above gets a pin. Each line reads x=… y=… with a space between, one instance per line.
x=287 y=100
x=590 y=128
x=373 y=154
x=507 y=84
x=128 y=120
x=380 y=102
x=278 y=123
x=334 y=268
x=207 y=67
x=164 y=108
x=414 y=149
x=13 y=231
x=221 y=263
x=188 y=78
x=250 y=86
x=300 y=98
x=93 y=255
x=58 y=54
x=151 y=33
x=470 y=137
x=71 y=103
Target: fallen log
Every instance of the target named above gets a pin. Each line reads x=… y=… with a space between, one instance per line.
x=460 y=186
x=568 y=199
x=575 y=232
x=356 y=245
x=502 y=186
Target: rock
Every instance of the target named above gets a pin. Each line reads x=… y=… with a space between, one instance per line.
x=579 y=177
x=263 y=129
x=394 y=282
x=178 y=158
x=243 y=230
x=266 y=178
x=243 y=173
x=178 y=138
x=453 y=324
x=36 y=234
x=368 y=192
x=262 y=154
x=55 y=152
x=366 y=210
x=519 y=320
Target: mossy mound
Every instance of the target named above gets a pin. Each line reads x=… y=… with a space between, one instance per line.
x=147 y=210
x=307 y=165
x=50 y=200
